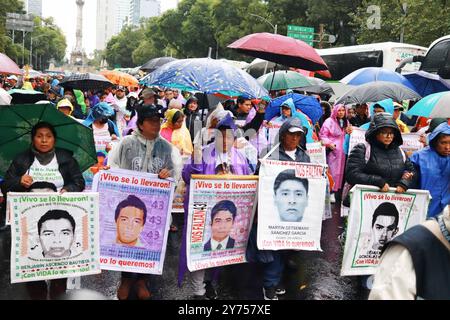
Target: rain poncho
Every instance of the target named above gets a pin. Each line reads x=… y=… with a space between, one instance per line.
x=295 y=113
x=332 y=133
x=434 y=172
x=180 y=138
x=101 y=110
x=80 y=100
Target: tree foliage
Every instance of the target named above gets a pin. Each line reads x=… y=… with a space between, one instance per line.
x=425 y=21
x=197 y=25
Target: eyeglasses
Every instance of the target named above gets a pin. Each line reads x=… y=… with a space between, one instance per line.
x=387 y=134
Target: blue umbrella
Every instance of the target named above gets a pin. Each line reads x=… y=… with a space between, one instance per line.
x=306 y=104
x=206 y=75
x=371 y=74
x=426 y=83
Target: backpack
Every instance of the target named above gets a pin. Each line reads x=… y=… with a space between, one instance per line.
x=347 y=186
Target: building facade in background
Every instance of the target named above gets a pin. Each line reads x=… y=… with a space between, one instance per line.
x=106 y=27
x=33 y=7
x=143 y=9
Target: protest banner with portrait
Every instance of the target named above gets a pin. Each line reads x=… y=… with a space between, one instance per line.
x=134 y=220
x=53 y=235
x=291 y=205
x=316 y=152
x=221 y=210
x=376 y=218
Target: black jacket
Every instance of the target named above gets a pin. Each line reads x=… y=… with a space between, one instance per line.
x=68 y=167
x=192 y=117
x=385 y=165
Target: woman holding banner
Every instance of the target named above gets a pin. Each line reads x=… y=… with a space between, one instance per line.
x=380 y=162
x=218 y=158
x=43 y=163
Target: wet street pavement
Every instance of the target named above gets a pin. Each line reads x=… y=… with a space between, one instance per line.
x=308 y=276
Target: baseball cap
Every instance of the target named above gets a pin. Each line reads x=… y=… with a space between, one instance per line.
x=122 y=88
x=12 y=77
x=296 y=129
x=147 y=93
x=398 y=106
x=148 y=111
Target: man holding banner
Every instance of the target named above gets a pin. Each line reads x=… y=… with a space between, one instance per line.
x=290 y=197
x=144 y=151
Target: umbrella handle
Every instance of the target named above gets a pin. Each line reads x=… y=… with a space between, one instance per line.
x=273 y=77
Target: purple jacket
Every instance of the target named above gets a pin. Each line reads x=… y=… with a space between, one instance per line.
x=239 y=166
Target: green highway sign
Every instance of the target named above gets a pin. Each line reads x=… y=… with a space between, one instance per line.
x=305 y=34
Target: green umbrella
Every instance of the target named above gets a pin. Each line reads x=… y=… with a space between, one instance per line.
x=283 y=80
x=16 y=122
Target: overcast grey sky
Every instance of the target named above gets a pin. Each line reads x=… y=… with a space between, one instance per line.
x=65 y=14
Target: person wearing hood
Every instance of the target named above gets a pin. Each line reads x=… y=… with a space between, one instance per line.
x=388 y=166
x=65 y=106
x=174 y=130
x=122 y=115
x=145 y=151
x=433 y=168
x=332 y=134
x=291 y=134
x=416 y=264
x=103 y=128
x=220 y=157
x=287 y=111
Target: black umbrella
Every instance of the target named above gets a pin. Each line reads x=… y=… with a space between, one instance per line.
x=155 y=63
x=20 y=96
x=377 y=91
x=86 y=81
x=318 y=86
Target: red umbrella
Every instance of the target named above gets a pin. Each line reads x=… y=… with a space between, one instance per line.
x=280 y=49
x=7 y=66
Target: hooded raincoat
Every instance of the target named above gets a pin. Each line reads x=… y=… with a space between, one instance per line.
x=386 y=164
x=331 y=133
x=433 y=172
x=180 y=138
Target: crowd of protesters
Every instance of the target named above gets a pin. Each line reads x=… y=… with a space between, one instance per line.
x=168 y=131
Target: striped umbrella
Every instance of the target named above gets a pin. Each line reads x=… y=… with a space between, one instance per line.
x=436 y=105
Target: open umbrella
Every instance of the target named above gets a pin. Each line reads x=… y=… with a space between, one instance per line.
x=20 y=96
x=377 y=91
x=155 y=63
x=16 y=122
x=426 y=83
x=306 y=104
x=7 y=66
x=120 y=78
x=86 y=81
x=205 y=75
x=281 y=50
x=318 y=86
x=282 y=80
x=435 y=105
x=371 y=74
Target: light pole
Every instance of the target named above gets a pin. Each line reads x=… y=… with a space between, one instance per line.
x=405 y=12
x=275 y=30
x=275 y=27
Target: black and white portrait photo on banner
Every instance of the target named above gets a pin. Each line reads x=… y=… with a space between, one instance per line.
x=291 y=205
x=376 y=218
x=53 y=235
